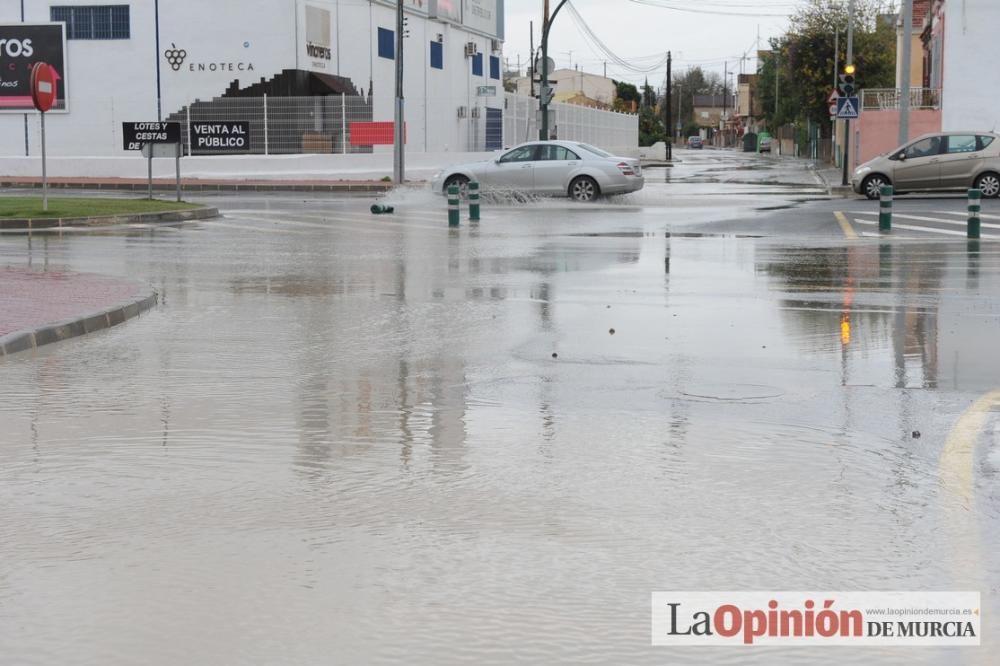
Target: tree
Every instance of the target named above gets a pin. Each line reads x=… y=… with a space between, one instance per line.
x=694 y=81
x=803 y=60
x=627 y=96
x=650 y=126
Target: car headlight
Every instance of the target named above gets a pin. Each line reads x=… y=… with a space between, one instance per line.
x=862 y=170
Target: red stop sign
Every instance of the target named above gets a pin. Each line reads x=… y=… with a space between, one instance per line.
x=44 y=79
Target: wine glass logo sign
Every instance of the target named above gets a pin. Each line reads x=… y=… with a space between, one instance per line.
x=175 y=57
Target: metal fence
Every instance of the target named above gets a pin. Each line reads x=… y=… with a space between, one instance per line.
x=324 y=124
x=283 y=125
x=888 y=99
x=615 y=132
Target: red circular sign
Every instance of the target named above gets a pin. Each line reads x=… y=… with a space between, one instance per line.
x=44 y=82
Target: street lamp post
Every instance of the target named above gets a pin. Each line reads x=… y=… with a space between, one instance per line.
x=543 y=133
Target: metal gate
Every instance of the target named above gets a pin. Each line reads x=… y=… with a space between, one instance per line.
x=494 y=129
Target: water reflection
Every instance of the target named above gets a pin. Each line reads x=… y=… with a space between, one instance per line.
x=886 y=299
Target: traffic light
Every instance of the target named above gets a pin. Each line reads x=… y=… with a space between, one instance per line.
x=847 y=86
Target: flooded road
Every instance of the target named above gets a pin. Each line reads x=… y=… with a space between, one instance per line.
x=351 y=439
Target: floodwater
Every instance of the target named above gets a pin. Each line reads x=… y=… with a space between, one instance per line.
x=344 y=439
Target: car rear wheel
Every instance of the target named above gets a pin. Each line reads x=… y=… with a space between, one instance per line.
x=872 y=187
x=989 y=185
x=584 y=189
x=461 y=181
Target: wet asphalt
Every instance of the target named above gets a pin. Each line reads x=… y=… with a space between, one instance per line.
x=343 y=438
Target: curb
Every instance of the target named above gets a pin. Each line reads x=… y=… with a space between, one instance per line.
x=29 y=224
x=72 y=328
x=275 y=186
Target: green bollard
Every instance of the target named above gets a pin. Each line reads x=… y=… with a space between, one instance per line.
x=474 y=201
x=453 y=210
x=885 y=209
x=381 y=209
x=975 y=207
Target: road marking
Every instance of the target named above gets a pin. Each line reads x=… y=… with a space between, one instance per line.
x=918 y=218
x=930 y=230
x=248 y=227
x=958 y=456
x=845 y=225
x=966 y=214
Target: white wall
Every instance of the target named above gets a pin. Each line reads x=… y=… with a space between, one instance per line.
x=111 y=82
x=971 y=76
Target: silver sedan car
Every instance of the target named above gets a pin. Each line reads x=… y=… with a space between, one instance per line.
x=555 y=168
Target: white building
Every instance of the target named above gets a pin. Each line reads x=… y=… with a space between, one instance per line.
x=144 y=60
x=969 y=97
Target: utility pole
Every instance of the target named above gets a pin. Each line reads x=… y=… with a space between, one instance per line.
x=532 y=63
x=836 y=81
x=725 y=100
x=398 y=162
x=904 y=84
x=847 y=122
x=668 y=130
x=680 y=112
x=543 y=134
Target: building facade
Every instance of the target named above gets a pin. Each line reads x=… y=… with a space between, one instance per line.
x=145 y=60
x=572 y=83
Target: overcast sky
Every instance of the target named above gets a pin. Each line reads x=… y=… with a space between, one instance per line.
x=641 y=31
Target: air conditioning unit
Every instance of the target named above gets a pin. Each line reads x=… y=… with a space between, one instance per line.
x=475 y=112
x=471 y=49
x=440 y=38
x=496 y=45
x=462 y=111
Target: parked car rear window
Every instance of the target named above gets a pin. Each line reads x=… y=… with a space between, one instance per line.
x=986 y=141
x=962 y=144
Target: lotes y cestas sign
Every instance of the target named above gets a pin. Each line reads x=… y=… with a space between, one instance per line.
x=21 y=46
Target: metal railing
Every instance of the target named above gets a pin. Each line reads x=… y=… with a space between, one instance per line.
x=283 y=125
x=888 y=99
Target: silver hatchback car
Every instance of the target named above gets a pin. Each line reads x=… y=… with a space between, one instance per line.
x=945 y=161
x=555 y=168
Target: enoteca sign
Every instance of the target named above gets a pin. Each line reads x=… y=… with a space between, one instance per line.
x=21 y=46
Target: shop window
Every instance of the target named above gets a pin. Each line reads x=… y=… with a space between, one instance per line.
x=93 y=21
x=437 y=55
x=386 y=44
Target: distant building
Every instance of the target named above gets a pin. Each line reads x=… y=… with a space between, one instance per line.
x=575 y=82
x=711 y=110
x=748 y=106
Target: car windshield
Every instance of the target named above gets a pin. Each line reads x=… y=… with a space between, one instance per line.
x=596 y=151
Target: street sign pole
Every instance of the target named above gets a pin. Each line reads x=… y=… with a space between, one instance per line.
x=45 y=175
x=178 y=165
x=151 y=173
x=850 y=61
x=399 y=140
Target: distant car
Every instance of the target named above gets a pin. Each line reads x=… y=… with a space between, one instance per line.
x=556 y=168
x=946 y=161
x=695 y=143
x=765 y=145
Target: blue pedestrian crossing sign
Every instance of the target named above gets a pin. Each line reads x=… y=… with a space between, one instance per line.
x=847 y=107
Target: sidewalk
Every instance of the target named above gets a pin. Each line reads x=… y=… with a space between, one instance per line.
x=200 y=184
x=38 y=308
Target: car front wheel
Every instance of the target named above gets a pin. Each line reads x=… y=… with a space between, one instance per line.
x=989 y=185
x=584 y=189
x=872 y=187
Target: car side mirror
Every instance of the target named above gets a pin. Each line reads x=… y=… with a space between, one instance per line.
x=902 y=157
